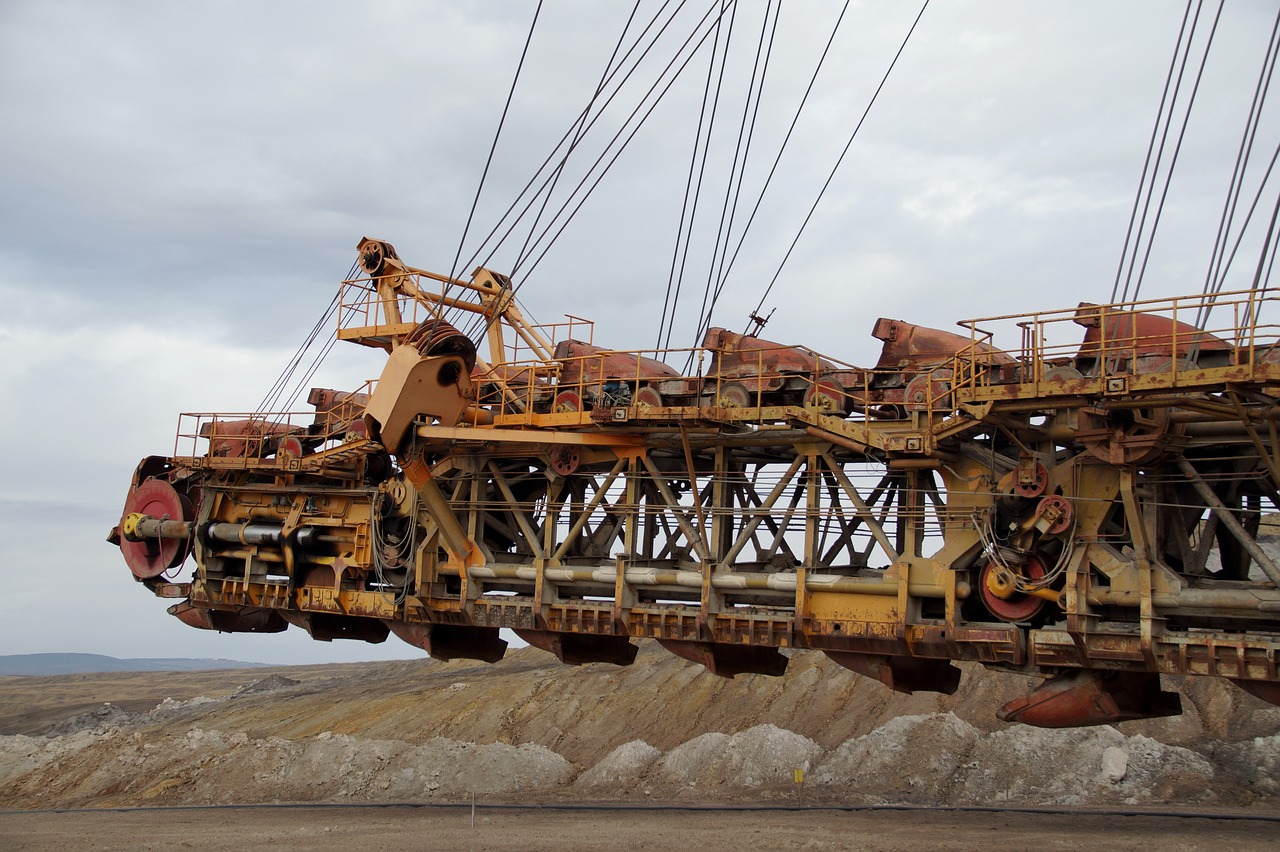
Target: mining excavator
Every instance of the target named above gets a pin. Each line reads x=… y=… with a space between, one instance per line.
x=1095 y=512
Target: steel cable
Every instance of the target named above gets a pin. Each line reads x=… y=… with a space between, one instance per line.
x=733 y=189
x=1164 y=137
x=673 y=299
x=1151 y=144
x=840 y=159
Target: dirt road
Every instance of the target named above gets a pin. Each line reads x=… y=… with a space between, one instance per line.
x=408 y=827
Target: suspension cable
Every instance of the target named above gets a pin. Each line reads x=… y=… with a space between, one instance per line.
x=783 y=147
x=272 y=397
x=839 y=159
x=538 y=242
x=1177 y=149
x=1213 y=274
x=568 y=133
x=453 y=270
x=742 y=148
x=1164 y=138
x=579 y=128
x=612 y=160
x=701 y=163
x=1151 y=146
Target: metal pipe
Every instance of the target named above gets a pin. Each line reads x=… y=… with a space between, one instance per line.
x=137 y=527
x=1227 y=519
x=1258 y=600
x=257 y=534
x=774 y=582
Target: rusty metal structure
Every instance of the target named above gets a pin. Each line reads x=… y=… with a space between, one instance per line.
x=1089 y=511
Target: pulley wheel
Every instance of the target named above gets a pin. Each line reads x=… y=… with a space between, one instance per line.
x=825 y=396
x=924 y=393
x=1005 y=602
x=1065 y=512
x=153 y=556
x=565 y=459
x=289 y=448
x=733 y=395
x=648 y=397
x=1061 y=375
x=566 y=401
x=1039 y=482
x=1125 y=435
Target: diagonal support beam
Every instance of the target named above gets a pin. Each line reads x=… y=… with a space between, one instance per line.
x=1228 y=520
x=864 y=511
x=659 y=480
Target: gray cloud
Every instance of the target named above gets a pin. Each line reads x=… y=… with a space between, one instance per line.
x=182 y=185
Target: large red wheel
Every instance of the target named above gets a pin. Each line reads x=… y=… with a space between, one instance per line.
x=1037 y=484
x=648 y=397
x=734 y=395
x=826 y=396
x=153 y=556
x=566 y=401
x=565 y=459
x=1005 y=602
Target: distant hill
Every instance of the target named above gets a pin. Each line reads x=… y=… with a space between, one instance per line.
x=60 y=664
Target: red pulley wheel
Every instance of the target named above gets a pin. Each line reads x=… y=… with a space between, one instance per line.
x=1017 y=606
x=826 y=396
x=565 y=459
x=566 y=401
x=152 y=557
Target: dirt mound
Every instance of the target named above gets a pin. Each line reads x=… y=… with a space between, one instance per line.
x=529 y=727
x=211 y=767
x=761 y=756
x=105 y=716
x=274 y=683
x=940 y=759
x=621 y=767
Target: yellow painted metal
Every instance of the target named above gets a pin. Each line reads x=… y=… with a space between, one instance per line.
x=760 y=524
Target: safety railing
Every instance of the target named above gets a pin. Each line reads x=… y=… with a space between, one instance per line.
x=1167 y=335
x=228 y=436
x=643 y=380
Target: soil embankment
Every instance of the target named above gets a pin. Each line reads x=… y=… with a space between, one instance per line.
x=530 y=729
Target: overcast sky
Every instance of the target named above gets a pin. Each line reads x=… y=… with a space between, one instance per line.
x=182 y=186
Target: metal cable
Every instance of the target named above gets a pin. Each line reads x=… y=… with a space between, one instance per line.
x=787 y=138
x=674 y=299
x=1146 y=165
x=1164 y=137
x=568 y=133
x=839 y=159
x=579 y=129
x=1213 y=276
x=625 y=142
x=616 y=155
x=1177 y=149
x=733 y=189
x=453 y=270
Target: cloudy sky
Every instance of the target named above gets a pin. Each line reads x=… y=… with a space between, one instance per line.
x=182 y=185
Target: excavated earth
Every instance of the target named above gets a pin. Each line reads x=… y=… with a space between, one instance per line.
x=530 y=730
